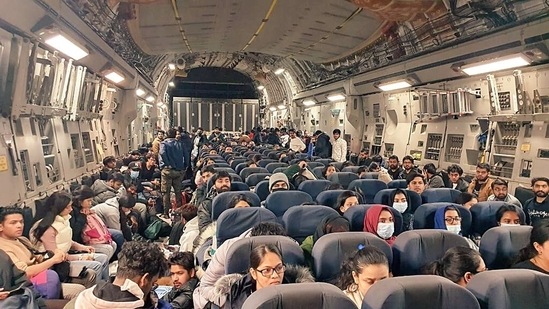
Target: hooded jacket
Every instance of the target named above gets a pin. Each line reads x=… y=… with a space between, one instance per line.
x=172 y=155
x=205 y=210
x=102 y=191
x=323 y=147
x=182 y=298
x=109 y=212
x=371 y=220
x=440 y=224
x=234 y=289
x=408 y=214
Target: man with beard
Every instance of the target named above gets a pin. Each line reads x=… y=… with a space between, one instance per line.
x=394 y=168
x=221 y=183
x=501 y=193
x=481 y=186
x=537 y=208
x=364 y=158
x=408 y=167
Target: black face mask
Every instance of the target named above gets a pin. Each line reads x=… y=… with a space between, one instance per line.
x=279 y=189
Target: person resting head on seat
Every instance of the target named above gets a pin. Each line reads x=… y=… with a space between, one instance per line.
x=330 y=224
x=266 y=269
x=328 y=170
x=140 y=264
x=415 y=182
x=508 y=215
x=448 y=218
x=379 y=221
x=466 y=200
x=360 y=271
x=459 y=265
x=346 y=200
x=382 y=174
x=240 y=201
x=183 y=274
x=399 y=200
x=278 y=182
x=535 y=255
x=361 y=171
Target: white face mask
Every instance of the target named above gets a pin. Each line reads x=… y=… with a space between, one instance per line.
x=127 y=212
x=134 y=174
x=509 y=224
x=385 y=230
x=401 y=207
x=454 y=228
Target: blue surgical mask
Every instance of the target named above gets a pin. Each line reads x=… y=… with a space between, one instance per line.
x=455 y=229
x=400 y=207
x=134 y=175
x=385 y=230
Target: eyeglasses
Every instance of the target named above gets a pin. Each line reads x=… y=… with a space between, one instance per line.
x=452 y=220
x=268 y=272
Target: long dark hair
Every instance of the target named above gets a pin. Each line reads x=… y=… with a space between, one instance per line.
x=344 y=196
x=259 y=252
x=539 y=234
x=368 y=255
x=237 y=198
x=455 y=263
x=55 y=204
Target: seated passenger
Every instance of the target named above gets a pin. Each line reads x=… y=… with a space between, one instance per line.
x=456 y=181
x=459 y=265
x=400 y=202
x=203 y=176
x=109 y=167
x=508 y=215
x=140 y=264
x=448 y=218
x=330 y=224
x=434 y=180
x=148 y=169
x=382 y=173
x=190 y=227
x=221 y=183
x=500 y=193
x=184 y=280
x=240 y=201
x=104 y=190
x=361 y=270
x=266 y=269
x=278 y=182
x=346 y=200
x=379 y=221
x=416 y=182
x=328 y=170
x=12 y=278
x=466 y=200
x=361 y=172
x=535 y=255
x=114 y=213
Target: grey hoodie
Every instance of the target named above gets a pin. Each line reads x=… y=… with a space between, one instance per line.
x=102 y=191
x=109 y=212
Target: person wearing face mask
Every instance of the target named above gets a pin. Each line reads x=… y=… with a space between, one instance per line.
x=346 y=200
x=379 y=221
x=535 y=255
x=448 y=218
x=330 y=224
x=278 y=182
x=508 y=215
x=400 y=202
x=360 y=271
x=459 y=265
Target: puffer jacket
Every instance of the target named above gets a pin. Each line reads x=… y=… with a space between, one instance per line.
x=102 y=192
x=236 y=288
x=182 y=298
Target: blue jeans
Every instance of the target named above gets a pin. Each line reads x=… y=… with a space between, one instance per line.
x=118 y=238
x=100 y=265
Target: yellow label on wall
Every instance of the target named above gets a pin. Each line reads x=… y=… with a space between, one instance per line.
x=3 y=163
x=525 y=147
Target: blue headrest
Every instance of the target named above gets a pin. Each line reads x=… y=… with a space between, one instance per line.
x=356 y=214
x=500 y=246
x=262 y=189
x=272 y=166
x=398 y=183
x=233 y=222
x=351 y=169
x=424 y=216
x=264 y=162
x=484 y=215
x=247 y=171
x=236 y=162
x=314 y=187
x=312 y=165
x=279 y=202
x=239 y=186
x=437 y=195
x=326 y=162
x=301 y=222
x=343 y=178
x=329 y=198
x=220 y=203
x=255 y=178
x=318 y=172
x=240 y=166
x=368 y=188
x=384 y=197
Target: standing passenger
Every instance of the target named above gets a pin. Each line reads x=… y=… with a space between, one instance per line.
x=172 y=165
x=339 y=147
x=537 y=208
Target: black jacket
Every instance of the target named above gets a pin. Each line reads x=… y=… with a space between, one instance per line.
x=182 y=298
x=12 y=278
x=323 y=147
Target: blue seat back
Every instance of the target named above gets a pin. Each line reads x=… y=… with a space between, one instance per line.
x=350 y=169
x=318 y=172
x=314 y=164
x=314 y=187
x=326 y=162
x=240 y=167
x=438 y=195
x=424 y=216
x=500 y=246
x=484 y=216
x=217 y=165
x=398 y=183
x=247 y=171
x=262 y=189
x=343 y=178
x=233 y=222
x=368 y=188
x=328 y=198
x=239 y=186
x=220 y=202
x=279 y=202
x=301 y=221
x=271 y=167
x=255 y=178
x=263 y=163
x=384 y=197
x=224 y=169
x=236 y=162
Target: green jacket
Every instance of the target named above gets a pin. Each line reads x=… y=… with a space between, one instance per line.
x=307 y=247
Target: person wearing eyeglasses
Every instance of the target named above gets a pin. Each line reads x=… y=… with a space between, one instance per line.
x=448 y=218
x=266 y=269
x=459 y=264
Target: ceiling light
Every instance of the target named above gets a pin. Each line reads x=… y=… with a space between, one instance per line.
x=272 y=108
x=309 y=102
x=260 y=87
x=140 y=92
x=111 y=89
x=171 y=84
x=171 y=66
x=336 y=97
x=282 y=106
x=279 y=71
x=114 y=77
x=150 y=98
x=498 y=64
x=394 y=85
x=67 y=47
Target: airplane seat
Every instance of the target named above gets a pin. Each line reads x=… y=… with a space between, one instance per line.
x=224 y=169
x=301 y=156
x=500 y=246
x=217 y=165
x=326 y=162
x=239 y=186
x=301 y=222
x=413 y=250
x=331 y=250
x=279 y=202
x=397 y=183
x=524 y=194
x=438 y=195
x=424 y=216
x=233 y=222
x=299 y=295
x=370 y=175
x=238 y=256
x=368 y=188
x=239 y=167
x=356 y=215
x=272 y=166
x=220 y=202
x=234 y=178
x=510 y=288
x=418 y=292
x=314 y=164
x=279 y=170
x=318 y=172
x=328 y=198
x=263 y=162
x=314 y=187
x=247 y=171
x=484 y=216
x=262 y=189
x=236 y=162
x=384 y=197
x=255 y=178
x=343 y=178
x=350 y=169
x=219 y=160
x=338 y=165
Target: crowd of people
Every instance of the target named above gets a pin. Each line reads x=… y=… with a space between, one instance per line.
x=149 y=214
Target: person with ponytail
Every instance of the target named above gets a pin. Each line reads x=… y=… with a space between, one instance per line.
x=459 y=265
x=361 y=270
x=535 y=255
